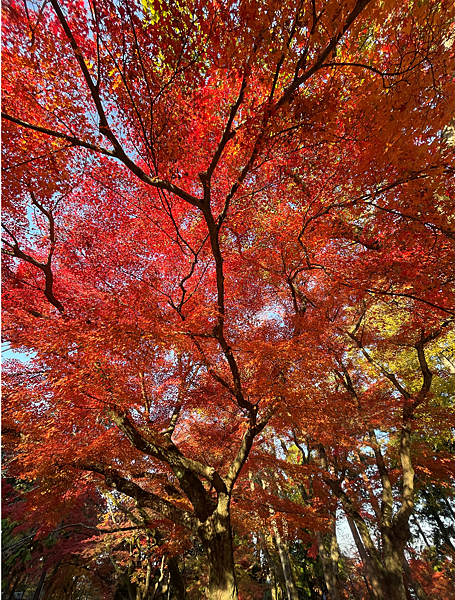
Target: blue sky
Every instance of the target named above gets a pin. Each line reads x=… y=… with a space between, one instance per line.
x=8 y=353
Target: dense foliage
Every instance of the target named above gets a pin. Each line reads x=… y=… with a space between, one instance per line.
x=229 y=256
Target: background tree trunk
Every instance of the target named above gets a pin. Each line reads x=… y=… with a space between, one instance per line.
x=370 y=574
x=283 y=551
x=39 y=587
x=176 y=581
x=329 y=567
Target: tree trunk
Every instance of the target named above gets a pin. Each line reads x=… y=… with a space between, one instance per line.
x=39 y=587
x=393 y=561
x=217 y=538
x=48 y=586
x=18 y=578
x=176 y=581
x=274 y=588
x=328 y=567
x=286 y=565
x=368 y=567
x=276 y=572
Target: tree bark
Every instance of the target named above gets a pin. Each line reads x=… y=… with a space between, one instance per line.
x=48 y=586
x=276 y=572
x=393 y=561
x=217 y=538
x=176 y=581
x=11 y=595
x=283 y=552
x=368 y=567
x=274 y=588
x=39 y=587
x=329 y=567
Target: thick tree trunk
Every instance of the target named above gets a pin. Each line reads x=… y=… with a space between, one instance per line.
x=393 y=561
x=217 y=538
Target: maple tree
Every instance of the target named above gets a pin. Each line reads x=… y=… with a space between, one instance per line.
x=212 y=214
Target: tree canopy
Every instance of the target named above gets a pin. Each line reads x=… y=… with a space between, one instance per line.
x=228 y=243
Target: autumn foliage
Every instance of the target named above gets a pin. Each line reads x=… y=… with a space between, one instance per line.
x=228 y=254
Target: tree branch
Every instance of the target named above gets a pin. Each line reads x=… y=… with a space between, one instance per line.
x=390 y=376
x=245 y=447
x=227 y=135
x=58 y=134
x=185 y=469
x=143 y=498
x=44 y=267
x=358 y=8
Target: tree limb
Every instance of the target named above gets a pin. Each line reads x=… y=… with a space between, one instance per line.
x=143 y=498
